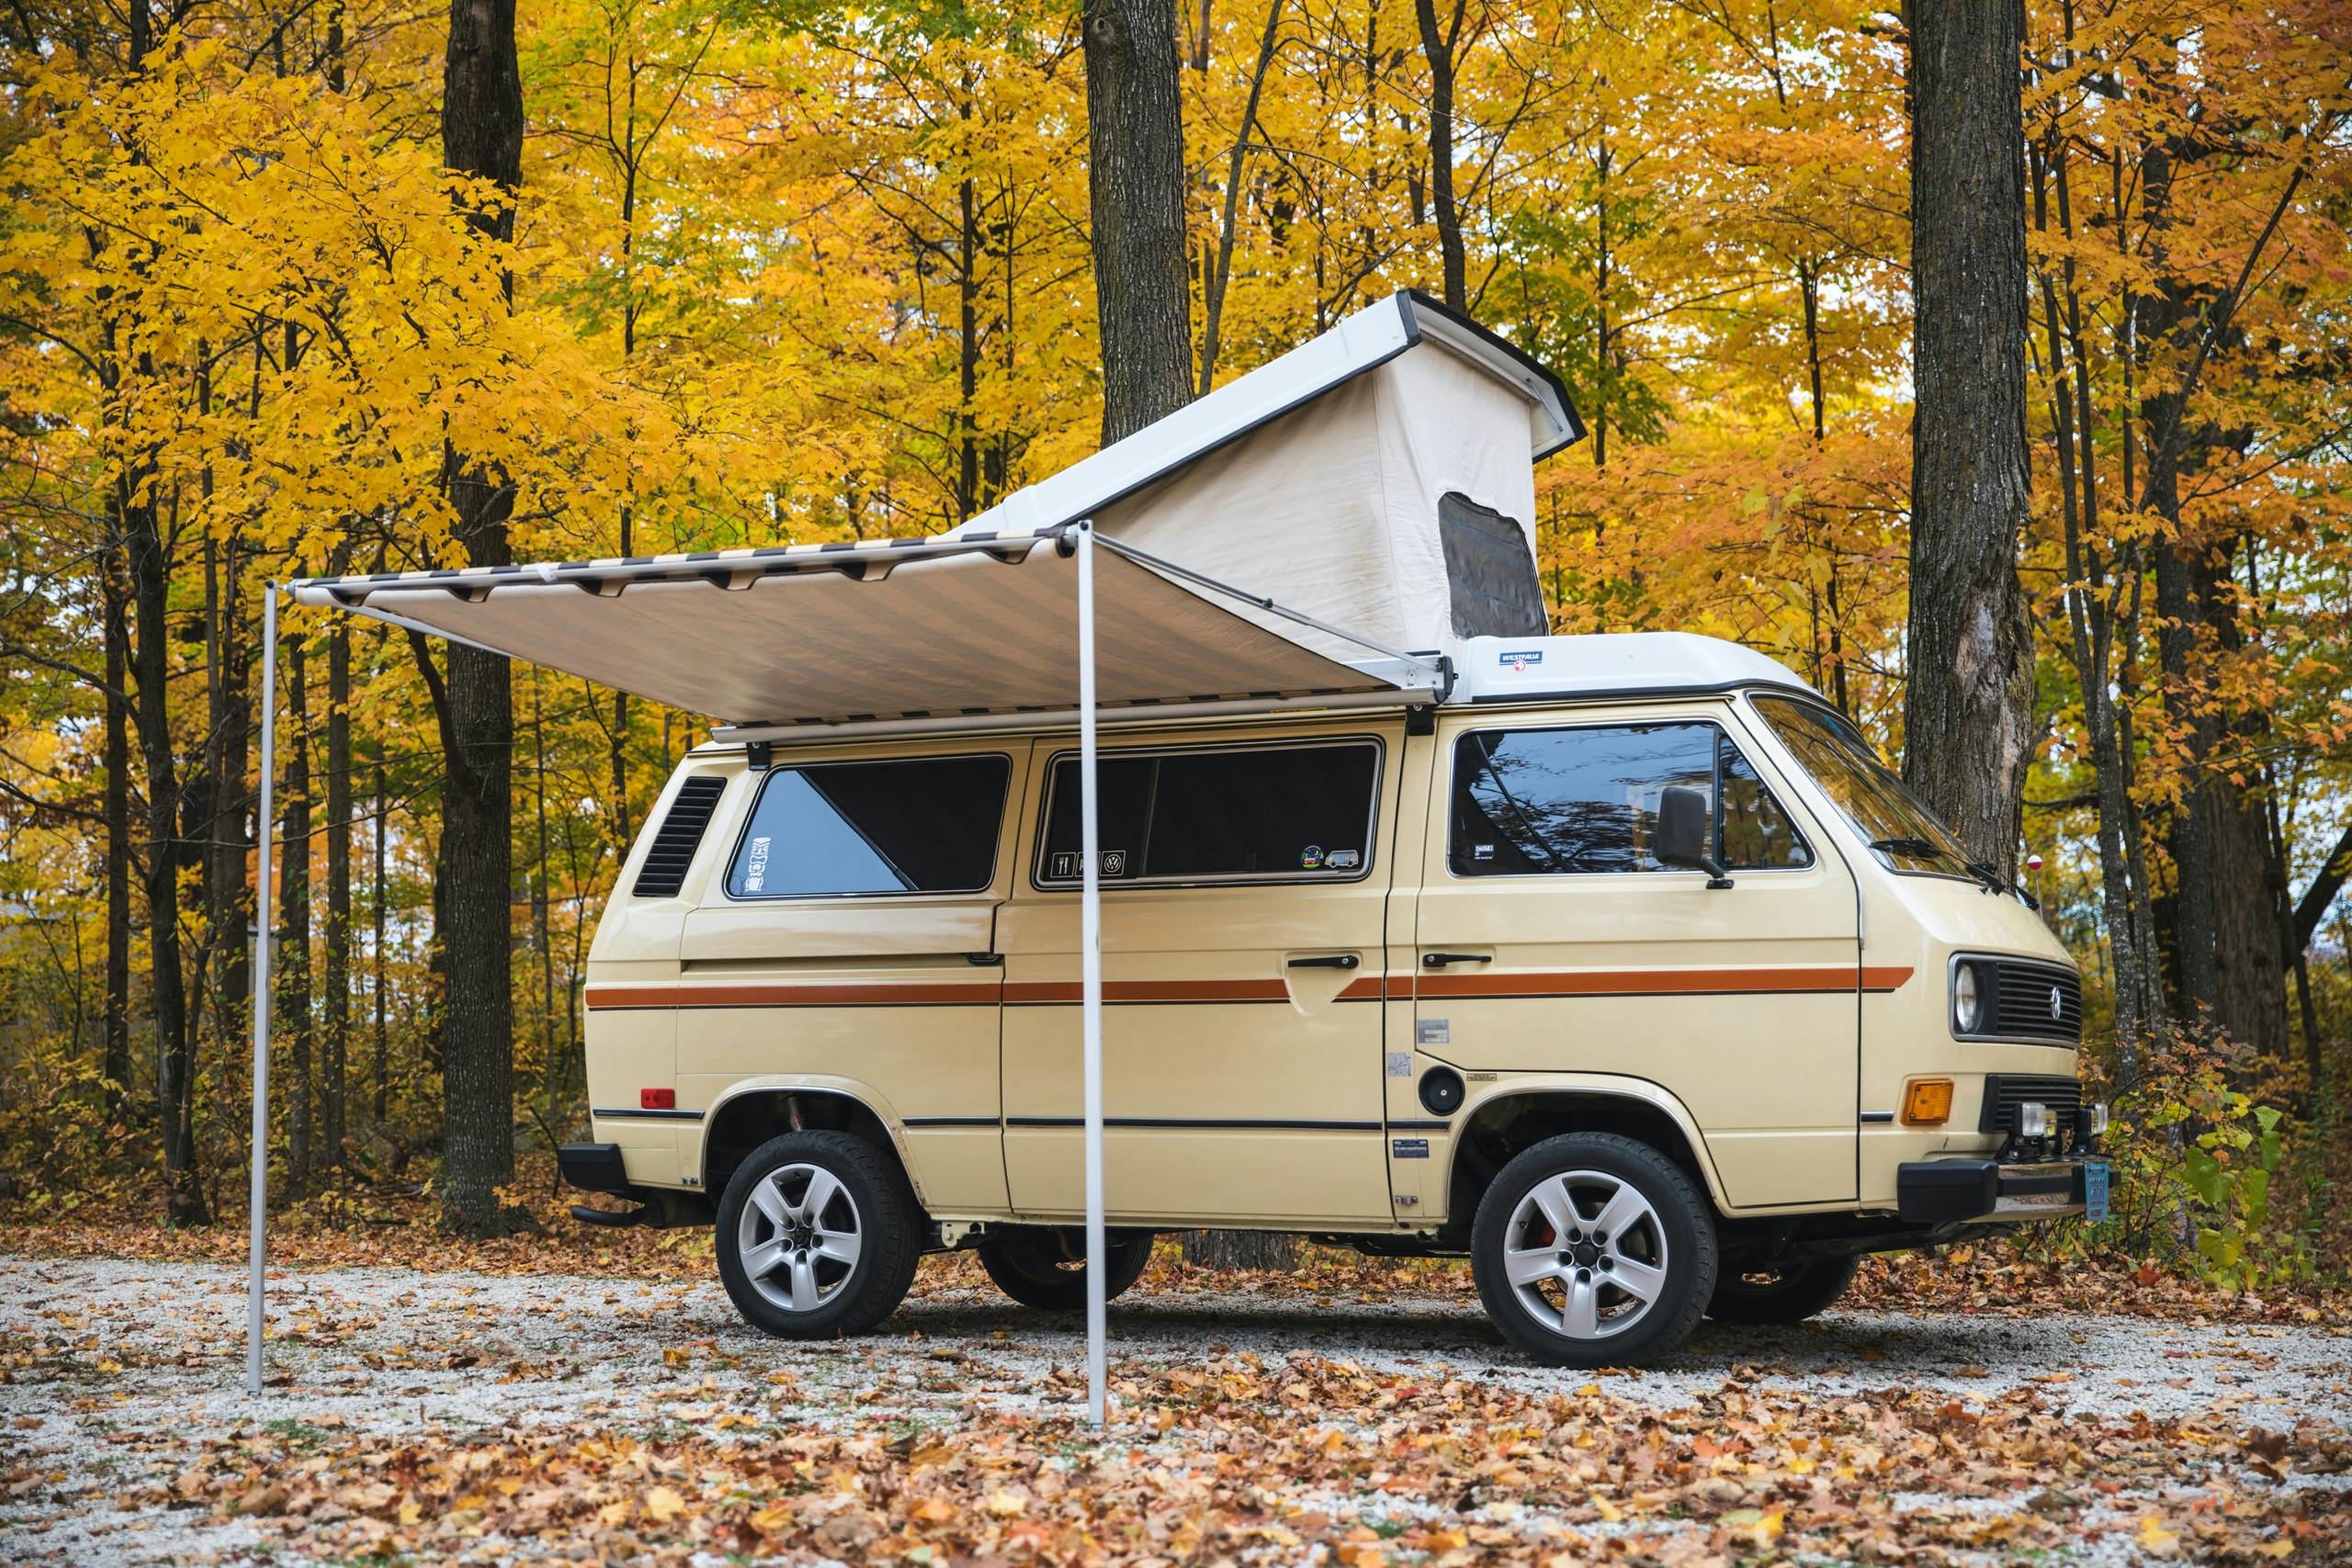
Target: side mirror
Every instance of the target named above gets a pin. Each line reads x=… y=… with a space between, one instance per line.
x=1685 y=837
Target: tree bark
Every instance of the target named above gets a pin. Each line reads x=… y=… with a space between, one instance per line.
x=335 y=992
x=481 y=135
x=1437 y=48
x=115 y=1060
x=293 y=1021
x=1968 y=713
x=1135 y=138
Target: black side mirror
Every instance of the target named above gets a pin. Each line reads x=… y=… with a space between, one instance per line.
x=1685 y=834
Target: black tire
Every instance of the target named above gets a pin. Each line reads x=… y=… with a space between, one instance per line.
x=1787 y=1294
x=1636 y=1294
x=1045 y=1266
x=845 y=1297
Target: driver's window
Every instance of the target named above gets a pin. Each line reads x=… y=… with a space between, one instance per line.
x=1562 y=802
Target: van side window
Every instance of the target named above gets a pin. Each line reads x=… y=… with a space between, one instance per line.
x=1532 y=802
x=922 y=825
x=1295 y=813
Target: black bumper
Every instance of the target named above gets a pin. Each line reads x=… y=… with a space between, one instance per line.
x=593 y=1168
x=1940 y=1191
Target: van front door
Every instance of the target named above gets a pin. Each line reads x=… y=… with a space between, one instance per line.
x=1244 y=910
x=1552 y=941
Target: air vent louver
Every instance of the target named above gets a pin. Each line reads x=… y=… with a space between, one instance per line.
x=664 y=871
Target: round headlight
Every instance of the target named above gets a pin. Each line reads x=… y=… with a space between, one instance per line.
x=1967 y=1006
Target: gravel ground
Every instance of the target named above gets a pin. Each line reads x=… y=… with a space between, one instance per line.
x=116 y=1370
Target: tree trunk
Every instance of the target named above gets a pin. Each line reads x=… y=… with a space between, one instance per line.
x=293 y=1021
x=116 y=1062
x=335 y=999
x=167 y=983
x=1135 y=138
x=1437 y=48
x=1968 y=713
x=481 y=135
x=379 y=1087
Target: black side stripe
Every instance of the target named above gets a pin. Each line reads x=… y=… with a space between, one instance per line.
x=948 y=1120
x=634 y=1115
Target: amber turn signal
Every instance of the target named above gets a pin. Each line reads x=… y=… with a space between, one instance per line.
x=1927 y=1102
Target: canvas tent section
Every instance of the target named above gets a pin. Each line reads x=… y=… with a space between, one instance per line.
x=1379 y=478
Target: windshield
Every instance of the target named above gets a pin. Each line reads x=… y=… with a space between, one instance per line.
x=1902 y=832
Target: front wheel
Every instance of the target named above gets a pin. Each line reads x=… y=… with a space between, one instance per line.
x=817 y=1237
x=1046 y=1268
x=1593 y=1250
x=1790 y=1293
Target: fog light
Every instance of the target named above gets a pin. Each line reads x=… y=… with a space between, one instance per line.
x=1967 y=1002
x=2099 y=1119
x=2033 y=1120
x=1927 y=1102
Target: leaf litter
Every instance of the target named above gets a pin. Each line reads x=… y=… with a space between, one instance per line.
x=527 y=1418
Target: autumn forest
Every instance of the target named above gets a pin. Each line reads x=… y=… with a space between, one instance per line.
x=291 y=286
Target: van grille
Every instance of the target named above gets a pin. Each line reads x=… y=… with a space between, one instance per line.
x=2019 y=1008
x=672 y=851
x=2005 y=1093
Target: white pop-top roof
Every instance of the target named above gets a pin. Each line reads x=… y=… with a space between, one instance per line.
x=1494 y=669
x=1379 y=478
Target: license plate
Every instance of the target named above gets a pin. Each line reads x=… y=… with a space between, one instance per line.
x=2095 y=1190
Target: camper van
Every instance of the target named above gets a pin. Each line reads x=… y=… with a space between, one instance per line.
x=1621 y=966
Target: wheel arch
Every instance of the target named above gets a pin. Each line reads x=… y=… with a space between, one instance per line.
x=752 y=1111
x=1516 y=1116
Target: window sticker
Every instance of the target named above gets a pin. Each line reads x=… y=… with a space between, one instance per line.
x=755 y=866
x=1068 y=866
x=1311 y=858
x=1342 y=859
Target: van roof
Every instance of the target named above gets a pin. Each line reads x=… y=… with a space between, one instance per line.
x=1490 y=670
x=1493 y=668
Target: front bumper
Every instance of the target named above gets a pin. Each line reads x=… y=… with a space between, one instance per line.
x=1940 y=1191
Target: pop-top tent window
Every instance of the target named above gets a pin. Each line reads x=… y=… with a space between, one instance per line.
x=1281 y=542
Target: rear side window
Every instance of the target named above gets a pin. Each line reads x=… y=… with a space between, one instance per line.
x=1537 y=802
x=924 y=825
x=1289 y=814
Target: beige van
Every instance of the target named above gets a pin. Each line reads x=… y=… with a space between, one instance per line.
x=1627 y=970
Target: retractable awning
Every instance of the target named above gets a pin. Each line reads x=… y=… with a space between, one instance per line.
x=802 y=637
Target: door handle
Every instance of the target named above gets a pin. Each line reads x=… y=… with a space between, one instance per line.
x=1439 y=960
x=1336 y=961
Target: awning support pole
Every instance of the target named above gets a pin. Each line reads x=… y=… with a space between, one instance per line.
x=260 y=1215
x=1090 y=961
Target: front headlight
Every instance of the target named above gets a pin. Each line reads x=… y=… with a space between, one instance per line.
x=1967 y=1002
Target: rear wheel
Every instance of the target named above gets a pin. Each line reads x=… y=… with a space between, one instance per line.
x=1790 y=1293
x=1045 y=1267
x=1592 y=1250
x=817 y=1237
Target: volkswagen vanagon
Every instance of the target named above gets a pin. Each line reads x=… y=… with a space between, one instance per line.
x=1627 y=970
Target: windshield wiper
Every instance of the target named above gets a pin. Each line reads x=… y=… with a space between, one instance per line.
x=1907 y=844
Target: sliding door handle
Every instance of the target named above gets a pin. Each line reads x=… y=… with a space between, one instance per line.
x=1439 y=960
x=1336 y=961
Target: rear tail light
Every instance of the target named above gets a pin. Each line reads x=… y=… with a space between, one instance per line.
x=657 y=1099
x=1927 y=1102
